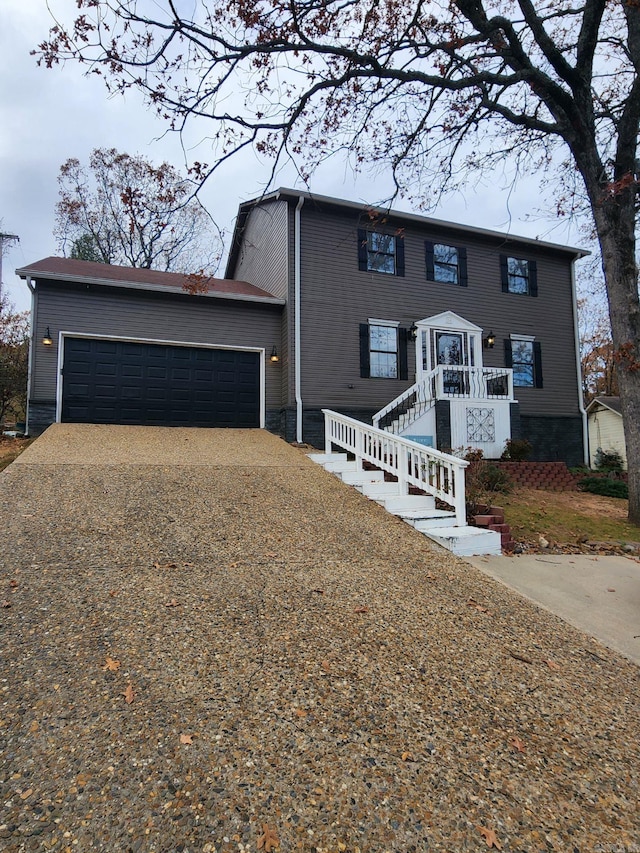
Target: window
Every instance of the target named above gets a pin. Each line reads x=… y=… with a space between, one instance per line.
x=518 y=275
x=383 y=350
x=523 y=355
x=379 y=252
x=447 y=264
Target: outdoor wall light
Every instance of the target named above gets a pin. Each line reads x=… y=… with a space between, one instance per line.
x=413 y=332
x=47 y=340
x=274 y=357
x=490 y=341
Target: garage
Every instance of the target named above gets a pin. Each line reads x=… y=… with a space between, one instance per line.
x=126 y=382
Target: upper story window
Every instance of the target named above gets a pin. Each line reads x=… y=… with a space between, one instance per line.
x=523 y=355
x=445 y=263
x=380 y=252
x=518 y=275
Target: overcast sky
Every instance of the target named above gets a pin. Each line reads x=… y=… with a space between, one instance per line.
x=47 y=116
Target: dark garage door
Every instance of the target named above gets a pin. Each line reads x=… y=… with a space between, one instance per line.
x=116 y=382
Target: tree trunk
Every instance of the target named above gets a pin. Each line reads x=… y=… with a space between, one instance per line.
x=617 y=243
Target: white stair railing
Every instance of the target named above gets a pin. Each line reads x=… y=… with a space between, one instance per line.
x=439 y=474
x=408 y=406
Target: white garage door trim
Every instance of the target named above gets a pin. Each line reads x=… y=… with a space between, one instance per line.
x=88 y=336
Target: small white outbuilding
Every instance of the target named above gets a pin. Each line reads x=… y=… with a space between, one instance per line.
x=605 y=428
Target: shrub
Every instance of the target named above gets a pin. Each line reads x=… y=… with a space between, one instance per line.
x=604 y=486
x=608 y=461
x=516 y=450
x=483 y=480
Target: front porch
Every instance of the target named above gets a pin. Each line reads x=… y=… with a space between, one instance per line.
x=455 y=401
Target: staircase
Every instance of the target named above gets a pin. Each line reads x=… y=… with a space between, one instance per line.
x=417 y=510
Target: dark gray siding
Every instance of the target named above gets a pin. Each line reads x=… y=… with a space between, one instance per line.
x=144 y=315
x=337 y=297
x=263 y=258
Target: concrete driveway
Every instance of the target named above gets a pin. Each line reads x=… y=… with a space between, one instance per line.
x=599 y=595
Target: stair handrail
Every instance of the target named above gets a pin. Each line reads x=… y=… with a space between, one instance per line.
x=425 y=385
x=439 y=474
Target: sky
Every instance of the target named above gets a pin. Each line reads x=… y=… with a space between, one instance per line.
x=47 y=116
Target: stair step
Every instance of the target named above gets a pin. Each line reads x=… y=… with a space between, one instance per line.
x=440 y=518
x=408 y=504
x=359 y=478
x=467 y=541
x=321 y=458
x=378 y=490
x=341 y=465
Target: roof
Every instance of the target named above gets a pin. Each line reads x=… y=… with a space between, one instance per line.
x=295 y=195
x=611 y=403
x=110 y=275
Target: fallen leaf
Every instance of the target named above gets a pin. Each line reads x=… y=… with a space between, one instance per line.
x=128 y=694
x=406 y=756
x=552 y=664
x=610 y=590
x=473 y=603
x=186 y=738
x=270 y=554
x=234 y=565
x=25 y=794
x=6 y=603
x=319 y=591
x=268 y=841
x=361 y=609
x=517 y=743
x=300 y=712
x=111 y=665
x=13 y=584
x=523 y=658
x=325 y=665
x=172 y=603
x=113 y=593
x=490 y=837
x=35 y=725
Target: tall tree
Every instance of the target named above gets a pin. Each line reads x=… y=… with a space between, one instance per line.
x=125 y=210
x=432 y=90
x=14 y=360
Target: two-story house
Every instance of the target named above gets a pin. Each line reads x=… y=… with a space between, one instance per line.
x=454 y=335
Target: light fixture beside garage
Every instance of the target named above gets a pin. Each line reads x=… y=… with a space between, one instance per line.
x=47 y=340
x=274 y=357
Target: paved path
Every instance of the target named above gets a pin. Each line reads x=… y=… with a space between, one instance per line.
x=599 y=595
x=209 y=643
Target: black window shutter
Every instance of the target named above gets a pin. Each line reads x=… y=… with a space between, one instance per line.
x=403 y=366
x=504 y=273
x=537 y=364
x=400 y=256
x=362 y=249
x=462 y=268
x=428 y=257
x=533 y=278
x=365 y=361
x=508 y=353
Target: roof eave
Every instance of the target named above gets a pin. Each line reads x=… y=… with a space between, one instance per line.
x=26 y=272
x=285 y=192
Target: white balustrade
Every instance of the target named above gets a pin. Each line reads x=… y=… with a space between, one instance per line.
x=439 y=474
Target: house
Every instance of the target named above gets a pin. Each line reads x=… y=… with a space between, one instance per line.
x=455 y=336
x=606 y=431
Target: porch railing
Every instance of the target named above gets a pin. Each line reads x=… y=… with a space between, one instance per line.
x=439 y=474
x=445 y=382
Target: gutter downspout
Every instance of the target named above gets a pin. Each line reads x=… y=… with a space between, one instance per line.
x=32 y=344
x=576 y=334
x=296 y=330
